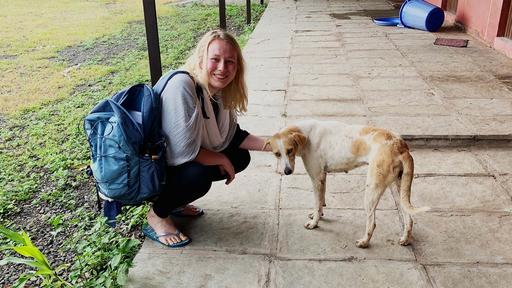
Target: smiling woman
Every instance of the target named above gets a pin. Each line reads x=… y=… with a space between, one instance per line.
x=32 y=34
x=43 y=149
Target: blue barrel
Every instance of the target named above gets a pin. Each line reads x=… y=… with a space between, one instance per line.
x=421 y=15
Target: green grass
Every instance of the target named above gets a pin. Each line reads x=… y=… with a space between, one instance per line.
x=43 y=149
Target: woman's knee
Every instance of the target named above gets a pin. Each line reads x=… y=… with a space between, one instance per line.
x=243 y=158
x=193 y=178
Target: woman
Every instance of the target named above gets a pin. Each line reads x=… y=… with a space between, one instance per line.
x=205 y=143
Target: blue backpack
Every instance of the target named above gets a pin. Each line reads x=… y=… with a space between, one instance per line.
x=127 y=146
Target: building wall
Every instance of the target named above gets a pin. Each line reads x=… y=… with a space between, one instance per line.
x=483 y=19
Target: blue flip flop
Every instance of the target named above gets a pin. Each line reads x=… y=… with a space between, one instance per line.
x=151 y=234
x=180 y=211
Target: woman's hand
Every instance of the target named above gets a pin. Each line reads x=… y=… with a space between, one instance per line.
x=228 y=170
x=255 y=143
x=207 y=157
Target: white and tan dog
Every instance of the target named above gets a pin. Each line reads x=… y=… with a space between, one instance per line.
x=338 y=147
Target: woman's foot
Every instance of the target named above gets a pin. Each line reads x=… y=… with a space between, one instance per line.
x=187 y=211
x=165 y=227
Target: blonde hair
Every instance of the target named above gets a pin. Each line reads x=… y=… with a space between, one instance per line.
x=234 y=95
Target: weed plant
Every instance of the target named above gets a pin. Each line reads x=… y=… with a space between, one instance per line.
x=43 y=150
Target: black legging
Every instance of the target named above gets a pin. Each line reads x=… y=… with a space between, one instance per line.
x=192 y=180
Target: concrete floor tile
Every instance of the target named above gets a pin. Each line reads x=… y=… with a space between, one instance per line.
x=342 y=191
x=481 y=107
x=299 y=60
x=489 y=125
x=296 y=51
x=460 y=193
x=432 y=110
x=474 y=90
x=324 y=108
x=401 y=97
x=385 y=72
x=499 y=160
x=261 y=127
x=506 y=182
x=262 y=162
x=253 y=190
x=446 y=161
x=336 y=236
x=321 y=80
x=213 y=269
x=342 y=93
x=464 y=276
x=421 y=124
x=317 y=44
x=268 y=82
x=377 y=62
x=463 y=237
x=392 y=83
x=231 y=230
x=329 y=274
x=339 y=70
x=262 y=97
x=264 y=111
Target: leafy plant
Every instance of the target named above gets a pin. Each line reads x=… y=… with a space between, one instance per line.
x=35 y=259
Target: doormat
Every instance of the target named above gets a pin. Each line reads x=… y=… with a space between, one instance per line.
x=451 y=42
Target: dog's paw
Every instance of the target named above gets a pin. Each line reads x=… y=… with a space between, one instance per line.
x=361 y=243
x=404 y=241
x=312 y=215
x=311 y=224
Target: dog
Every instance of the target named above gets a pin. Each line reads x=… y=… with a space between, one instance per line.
x=328 y=146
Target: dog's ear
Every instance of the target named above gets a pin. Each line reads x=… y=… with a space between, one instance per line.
x=299 y=139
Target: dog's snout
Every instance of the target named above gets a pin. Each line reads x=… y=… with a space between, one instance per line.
x=288 y=171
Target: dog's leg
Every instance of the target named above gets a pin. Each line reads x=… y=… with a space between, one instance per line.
x=373 y=192
x=406 y=217
x=319 y=190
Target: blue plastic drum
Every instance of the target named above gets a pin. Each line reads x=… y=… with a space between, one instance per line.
x=421 y=15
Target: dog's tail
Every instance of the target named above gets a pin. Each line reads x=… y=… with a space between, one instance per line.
x=405 y=184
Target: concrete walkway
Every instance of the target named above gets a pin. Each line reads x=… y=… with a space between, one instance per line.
x=327 y=60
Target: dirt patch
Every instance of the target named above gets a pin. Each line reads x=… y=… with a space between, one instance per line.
x=105 y=49
x=8 y=57
x=34 y=218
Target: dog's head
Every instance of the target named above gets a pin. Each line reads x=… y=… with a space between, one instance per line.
x=285 y=145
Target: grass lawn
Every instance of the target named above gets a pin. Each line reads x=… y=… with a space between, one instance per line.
x=58 y=59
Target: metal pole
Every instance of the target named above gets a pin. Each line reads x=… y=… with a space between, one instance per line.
x=248 y=10
x=155 y=63
x=222 y=14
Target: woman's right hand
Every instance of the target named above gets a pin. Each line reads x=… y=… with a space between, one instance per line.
x=227 y=169
x=207 y=157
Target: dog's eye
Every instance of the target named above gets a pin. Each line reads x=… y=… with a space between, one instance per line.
x=278 y=155
x=289 y=151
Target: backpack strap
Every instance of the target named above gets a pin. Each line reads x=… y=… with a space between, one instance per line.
x=162 y=83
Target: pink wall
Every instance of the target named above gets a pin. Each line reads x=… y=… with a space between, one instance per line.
x=481 y=18
x=438 y=3
x=484 y=19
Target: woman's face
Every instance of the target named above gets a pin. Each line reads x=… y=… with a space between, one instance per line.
x=222 y=64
